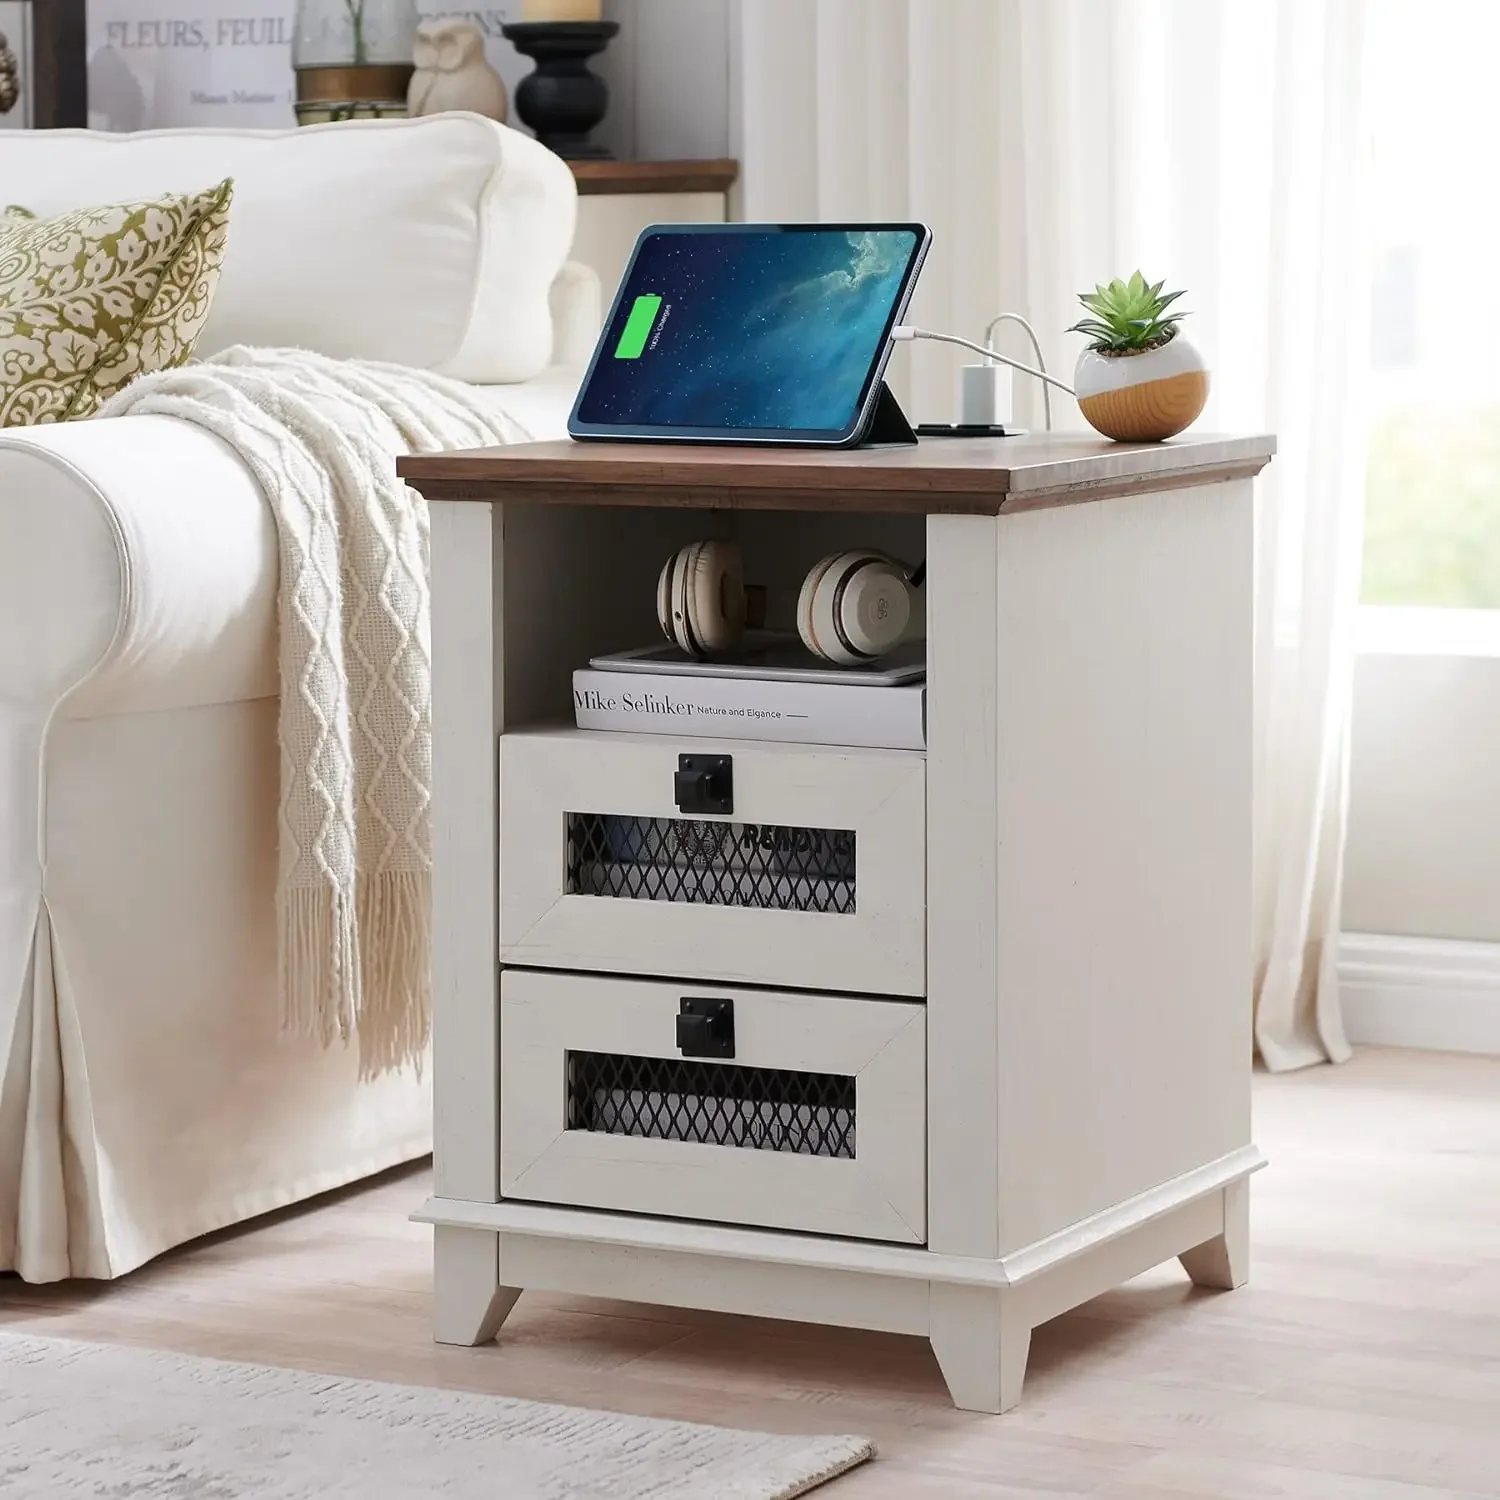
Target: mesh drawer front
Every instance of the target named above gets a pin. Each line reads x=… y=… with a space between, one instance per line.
x=711 y=863
x=719 y=1104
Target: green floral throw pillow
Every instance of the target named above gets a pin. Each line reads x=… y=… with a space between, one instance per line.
x=91 y=299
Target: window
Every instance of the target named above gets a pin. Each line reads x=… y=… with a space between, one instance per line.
x=1433 y=491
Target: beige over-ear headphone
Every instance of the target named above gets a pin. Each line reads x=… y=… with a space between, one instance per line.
x=700 y=597
x=853 y=606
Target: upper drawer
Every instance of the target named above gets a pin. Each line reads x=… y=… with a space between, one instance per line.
x=815 y=879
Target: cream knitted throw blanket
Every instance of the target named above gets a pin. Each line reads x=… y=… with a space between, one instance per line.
x=354 y=888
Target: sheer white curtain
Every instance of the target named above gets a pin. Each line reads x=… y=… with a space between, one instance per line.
x=1055 y=143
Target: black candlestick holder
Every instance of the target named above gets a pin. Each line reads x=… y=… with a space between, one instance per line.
x=560 y=99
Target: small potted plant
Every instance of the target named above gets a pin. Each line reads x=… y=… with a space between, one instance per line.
x=1139 y=380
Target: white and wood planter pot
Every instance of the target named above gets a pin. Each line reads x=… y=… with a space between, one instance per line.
x=1145 y=397
x=937 y=1043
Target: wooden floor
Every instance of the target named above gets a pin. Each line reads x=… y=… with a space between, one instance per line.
x=1362 y=1363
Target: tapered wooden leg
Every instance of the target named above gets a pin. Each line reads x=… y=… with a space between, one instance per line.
x=468 y=1301
x=981 y=1340
x=1223 y=1262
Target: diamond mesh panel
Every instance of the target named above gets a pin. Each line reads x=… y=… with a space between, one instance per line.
x=711 y=863
x=719 y=1104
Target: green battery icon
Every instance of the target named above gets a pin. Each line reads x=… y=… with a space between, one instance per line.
x=638 y=327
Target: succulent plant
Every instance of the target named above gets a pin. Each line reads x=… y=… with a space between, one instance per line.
x=1128 y=316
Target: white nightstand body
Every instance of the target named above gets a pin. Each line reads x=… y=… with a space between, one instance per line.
x=1088 y=900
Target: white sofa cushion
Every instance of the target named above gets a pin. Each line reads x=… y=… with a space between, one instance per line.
x=429 y=242
x=138 y=563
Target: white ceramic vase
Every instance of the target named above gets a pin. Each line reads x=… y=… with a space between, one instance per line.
x=1144 y=397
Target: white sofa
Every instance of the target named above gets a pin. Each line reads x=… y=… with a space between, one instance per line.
x=146 y=1093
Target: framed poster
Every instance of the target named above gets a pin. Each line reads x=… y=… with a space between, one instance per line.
x=157 y=64
x=43 y=64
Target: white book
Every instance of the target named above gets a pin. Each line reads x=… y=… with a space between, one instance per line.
x=747 y=708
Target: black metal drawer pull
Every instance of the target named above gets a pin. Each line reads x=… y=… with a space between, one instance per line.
x=705 y=1028
x=704 y=784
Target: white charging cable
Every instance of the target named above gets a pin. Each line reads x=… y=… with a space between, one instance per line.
x=1041 y=359
x=903 y=331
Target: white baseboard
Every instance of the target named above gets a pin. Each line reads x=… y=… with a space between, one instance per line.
x=1420 y=992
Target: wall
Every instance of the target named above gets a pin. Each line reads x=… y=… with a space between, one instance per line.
x=668 y=77
x=1423 y=853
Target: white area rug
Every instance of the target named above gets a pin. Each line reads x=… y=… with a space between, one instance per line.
x=82 y=1420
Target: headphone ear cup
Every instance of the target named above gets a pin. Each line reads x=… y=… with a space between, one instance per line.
x=664 y=599
x=700 y=598
x=854 y=607
x=716 y=591
x=807 y=627
x=670 y=613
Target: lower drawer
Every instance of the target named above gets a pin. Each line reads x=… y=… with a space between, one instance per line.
x=816 y=1122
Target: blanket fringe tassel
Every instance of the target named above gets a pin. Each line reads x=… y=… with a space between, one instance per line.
x=395 y=945
x=362 y=968
x=319 y=962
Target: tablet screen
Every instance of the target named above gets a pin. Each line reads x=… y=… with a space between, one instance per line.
x=767 y=327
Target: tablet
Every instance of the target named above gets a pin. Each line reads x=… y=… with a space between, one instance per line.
x=750 y=333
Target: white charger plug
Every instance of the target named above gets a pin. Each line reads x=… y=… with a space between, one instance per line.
x=986 y=395
x=985 y=380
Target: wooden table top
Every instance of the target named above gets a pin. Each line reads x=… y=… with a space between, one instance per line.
x=975 y=476
x=712 y=176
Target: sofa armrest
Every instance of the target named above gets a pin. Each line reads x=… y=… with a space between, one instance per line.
x=138 y=571
x=577 y=312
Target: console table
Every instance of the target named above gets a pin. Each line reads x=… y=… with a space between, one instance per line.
x=1009 y=1067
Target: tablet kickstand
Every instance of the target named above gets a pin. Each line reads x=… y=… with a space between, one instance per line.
x=887 y=427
